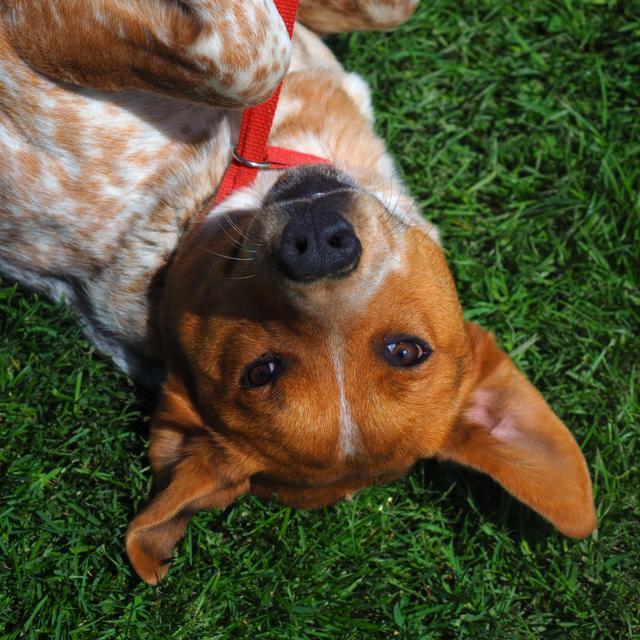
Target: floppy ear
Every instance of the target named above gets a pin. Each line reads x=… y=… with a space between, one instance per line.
x=507 y=430
x=192 y=470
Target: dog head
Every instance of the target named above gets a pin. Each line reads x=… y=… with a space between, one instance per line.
x=317 y=346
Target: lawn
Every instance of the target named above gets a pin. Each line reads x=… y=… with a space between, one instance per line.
x=517 y=126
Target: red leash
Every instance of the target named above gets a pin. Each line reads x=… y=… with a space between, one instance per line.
x=252 y=152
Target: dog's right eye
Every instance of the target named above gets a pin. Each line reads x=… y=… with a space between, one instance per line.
x=261 y=372
x=406 y=352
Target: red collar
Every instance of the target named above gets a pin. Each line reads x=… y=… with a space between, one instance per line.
x=252 y=153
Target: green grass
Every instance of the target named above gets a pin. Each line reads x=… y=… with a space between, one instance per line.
x=518 y=128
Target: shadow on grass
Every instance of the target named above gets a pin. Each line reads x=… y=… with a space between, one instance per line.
x=468 y=490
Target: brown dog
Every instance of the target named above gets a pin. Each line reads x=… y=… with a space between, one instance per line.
x=309 y=326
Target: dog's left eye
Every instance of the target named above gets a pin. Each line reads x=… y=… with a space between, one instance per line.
x=406 y=352
x=261 y=372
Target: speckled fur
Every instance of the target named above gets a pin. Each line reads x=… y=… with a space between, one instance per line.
x=100 y=178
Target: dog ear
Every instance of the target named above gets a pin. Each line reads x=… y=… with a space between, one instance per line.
x=192 y=472
x=507 y=430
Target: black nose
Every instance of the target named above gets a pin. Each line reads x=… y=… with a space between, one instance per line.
x=317 y=242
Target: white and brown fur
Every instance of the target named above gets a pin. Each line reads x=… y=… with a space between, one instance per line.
x=103 y=167
x=117 y=119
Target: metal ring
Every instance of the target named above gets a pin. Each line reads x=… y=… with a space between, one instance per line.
x=249 y=163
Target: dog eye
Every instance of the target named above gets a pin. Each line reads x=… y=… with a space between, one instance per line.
x=261 y=372
x=406 y=352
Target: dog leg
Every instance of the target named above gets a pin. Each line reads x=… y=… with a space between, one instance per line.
x=336 y=16
x=221 y=52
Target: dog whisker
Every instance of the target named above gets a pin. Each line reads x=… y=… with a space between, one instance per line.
x=247 y=277
x=239 y=242
x=220 y=255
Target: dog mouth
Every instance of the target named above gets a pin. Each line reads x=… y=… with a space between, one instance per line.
x=307 y=183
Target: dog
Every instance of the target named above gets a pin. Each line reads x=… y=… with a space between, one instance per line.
x=308 y=329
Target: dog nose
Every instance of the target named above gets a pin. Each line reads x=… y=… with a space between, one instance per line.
x=316 y=244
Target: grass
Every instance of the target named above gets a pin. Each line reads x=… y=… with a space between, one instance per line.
x=517 y=128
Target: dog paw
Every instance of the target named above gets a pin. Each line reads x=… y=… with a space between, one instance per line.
x=386 y=14
x=246 y=53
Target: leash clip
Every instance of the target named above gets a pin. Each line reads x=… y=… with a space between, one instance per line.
x=249 y=163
